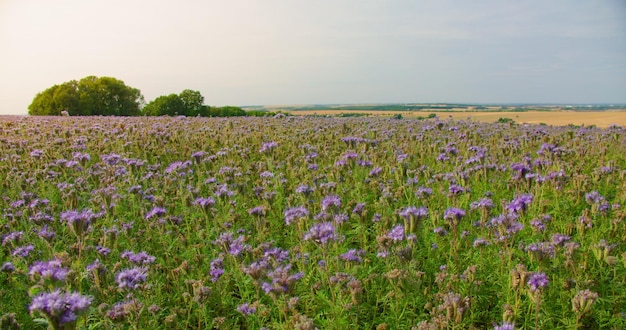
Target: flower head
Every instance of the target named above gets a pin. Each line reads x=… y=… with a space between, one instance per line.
x=59 y=307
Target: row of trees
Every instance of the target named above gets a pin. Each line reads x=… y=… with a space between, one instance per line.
x=106 y=96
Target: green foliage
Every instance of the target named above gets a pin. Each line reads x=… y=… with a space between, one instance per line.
x=100 y=96
x=502 y=120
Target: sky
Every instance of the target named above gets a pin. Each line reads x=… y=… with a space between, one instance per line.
x=271 y=52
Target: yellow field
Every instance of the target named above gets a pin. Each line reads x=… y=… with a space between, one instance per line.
x=557 y=118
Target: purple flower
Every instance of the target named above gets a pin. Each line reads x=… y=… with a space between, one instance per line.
x=480 y=242
x=375 y=171
x=353 y=255
x=304 y=189
x=331 y=201
x=13 y=237
x=79 y=221
x=131 y=278
x=216 y=269
x=293 y=214
x=440 y=231
x=519 y=204
x=396 y=233
x=7 y=267
x=455 y=189
x=537 y=281
x=454 y=215
x=23 y=251
x=140 y=258
x=52 y=270
x=322 y=233
x=415 y=213
x=281 y=279
x=268 y=146
x=483 y=203
x=559 y=239
x=155 y=212
x=504 y=326
x=204 y=202
x=246 y=309
x=60 y=308
x=257 y=210
x=423 y=192
x=358 y=209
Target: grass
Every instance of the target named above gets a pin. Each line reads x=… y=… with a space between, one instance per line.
x=299 y=222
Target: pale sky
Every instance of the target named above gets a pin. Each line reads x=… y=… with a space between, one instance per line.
x=268 y=52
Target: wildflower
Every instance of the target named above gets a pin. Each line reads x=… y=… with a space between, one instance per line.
x=79 y=221
x=480 y=242
x=519 y=204
x=46 y=233
x=246 y=309
x=257 y=211
x=504 y=326
x=483 y=203
x=352 y=255
x=155 y=212
x=13 y=237
x=294 y=214
x=23 y=251
x=440 y=231
x=358 y=209
x=559 y=239
x=204 y=202
x=268 y=146
x=415 y=213
x=140 y=258
x=216 y=269
x=281 y=279
x=375 y=172
x=60 y=308
x=322 y=233
x=331 y=201
x=51 y=270
x=454 y=215
x=396 y=233
x=7 y=267
x=131 y=278
x=537 y=281
x=304 y=189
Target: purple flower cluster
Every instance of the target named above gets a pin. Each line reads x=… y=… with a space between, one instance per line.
x=414 y=213
x=520 y=204
x=281 y=279
x=293 y=214
x=331 y=202
x=140 y=258
x=60 y=307
x=132 y=278
x=49 y=270
x=537 y=281
x=322 y=233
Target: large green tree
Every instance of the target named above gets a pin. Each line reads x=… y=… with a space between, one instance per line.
x=104 y=96
x=187 y=103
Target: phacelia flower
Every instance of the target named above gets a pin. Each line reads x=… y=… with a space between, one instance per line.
x=59 y=307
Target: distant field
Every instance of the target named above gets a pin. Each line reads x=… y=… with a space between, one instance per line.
x=559 y=118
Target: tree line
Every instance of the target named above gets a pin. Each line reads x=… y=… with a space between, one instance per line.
x=107 y=96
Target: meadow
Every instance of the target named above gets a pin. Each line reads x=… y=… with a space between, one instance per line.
x=304 y=223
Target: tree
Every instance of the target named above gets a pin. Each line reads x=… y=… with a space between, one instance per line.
x=193 y=102
x=187 y=103
x=104 y=96
x=165 y=105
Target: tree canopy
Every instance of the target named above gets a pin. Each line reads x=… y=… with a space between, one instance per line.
x=104 y=96
x=188 y=103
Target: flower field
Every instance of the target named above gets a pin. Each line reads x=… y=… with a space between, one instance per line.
x=305 y=223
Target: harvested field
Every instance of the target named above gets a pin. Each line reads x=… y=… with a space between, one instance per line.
x=557 y=118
